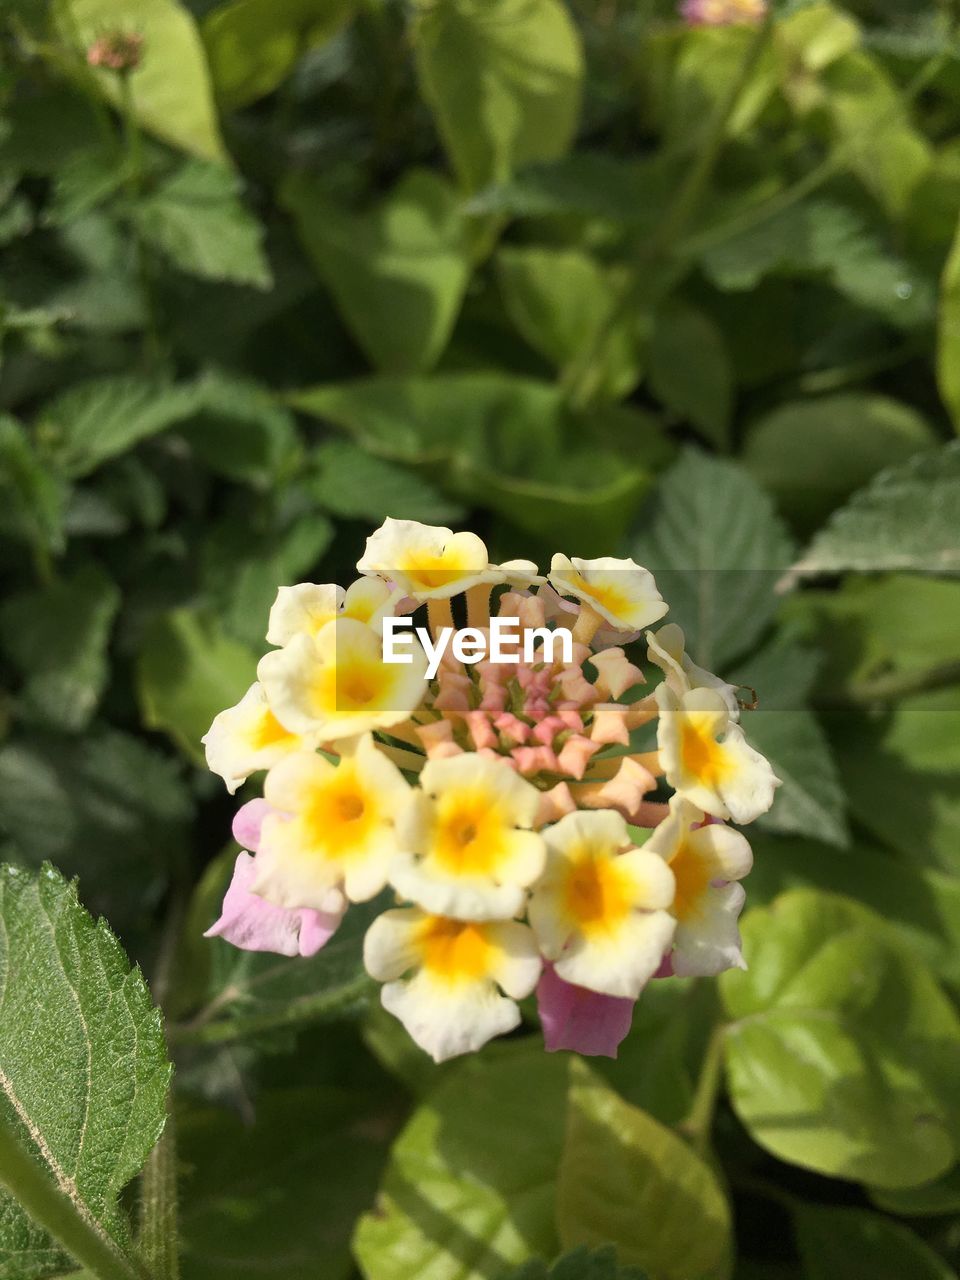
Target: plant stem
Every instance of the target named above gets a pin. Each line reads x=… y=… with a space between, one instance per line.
x=699 y=1120
x=203 y=1030
x=53 y=1210
x=158 y=1240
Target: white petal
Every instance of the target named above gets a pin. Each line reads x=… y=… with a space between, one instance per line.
x=448 y=1021
x=389 y=947
x=710 y=944
x=620 y=964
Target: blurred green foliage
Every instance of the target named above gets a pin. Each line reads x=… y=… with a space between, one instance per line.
x=577 y=277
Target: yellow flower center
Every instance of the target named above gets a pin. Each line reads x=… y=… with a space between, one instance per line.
x=269 y=732
x=454 y=950
x=701 y=755
x=469 y=834
x=693 y=879
x=607 y=595
x=353 y=685
x=339 y=816
x=429 y=569
x=596 y=895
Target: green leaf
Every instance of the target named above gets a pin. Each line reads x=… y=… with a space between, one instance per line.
x=628 y=1179
x=105 y=805
x=520 y=59
x=837 y=1243
x=241 y=432
x=911 y=760
x=170 y=89
x=187 y=672
x=398 y=271
x=717 y=548
x=906 y=518
x=57 y=638
x=252 y=45
x=31 y=498
x=873 y=132
x=579 y=1264
x=358 y=485
x=83 y=1064
x=102 y=417
x=948 y=334
x=811 y=801
x=587 y=184
x=942 y=1196
x=470 y=1185
x=242 y=567
x=812 y=454
x=504 y=442
x=197 y=219
x=820 y=238
x=842 y=1054
x=232 y=1230
x=690 y=370
x=564 y=302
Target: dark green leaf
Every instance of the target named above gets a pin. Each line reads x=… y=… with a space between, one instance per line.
x=821 y=238
x=812 y=454
x=837 y=1243
x=31 y=498
x=187 y=672
x=356 y=484
x=83 y=1064
x=100 y=418
x=579 y=1264
x=503 y=441
x=279 y=1196
x=106 y=805
x=906 y=518
x=58 y=639
x=197 y=219
x=690 y=370
x=717 y=548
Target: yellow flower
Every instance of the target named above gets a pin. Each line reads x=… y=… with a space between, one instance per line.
x=306 y=607
x=248 y=737
x=707 y=759
x=667 y=648
x=427 y=561
x=620 y=591
x=466 y=848
x=334 y=828
x=309 y=606
x=336 y=684
x=451 y=1002
x=600 y=910
x=705 y=861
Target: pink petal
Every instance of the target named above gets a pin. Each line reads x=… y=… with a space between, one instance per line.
x=252 y=924
x=247 y=822
x=581 y=1020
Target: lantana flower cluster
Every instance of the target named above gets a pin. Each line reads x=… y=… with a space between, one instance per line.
x=722 y=13
x=503 y=807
